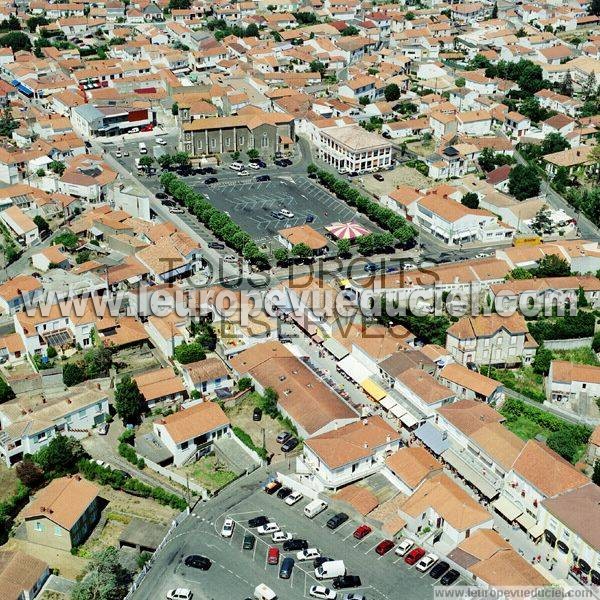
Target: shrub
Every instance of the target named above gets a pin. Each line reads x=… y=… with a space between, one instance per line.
x=247 y=441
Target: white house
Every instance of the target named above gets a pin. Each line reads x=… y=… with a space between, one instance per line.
x=206 y=376
x=567 y=381
x=22 y=226
x=191 y=432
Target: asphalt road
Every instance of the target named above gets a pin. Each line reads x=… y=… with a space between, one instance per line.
x=236 y=572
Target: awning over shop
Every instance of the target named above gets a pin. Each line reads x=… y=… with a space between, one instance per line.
x=95 y=231
x=530 y=525
x=333 y=346
x=470 y=473
x=388 y=403
x=398 y=411
x=355 y=370
x=375 y=391
x=408 y=420
x=304 y=323
x=507 y=509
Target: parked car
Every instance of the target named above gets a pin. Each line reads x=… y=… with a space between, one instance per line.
x=427 y=562
x=320 y=560
x=179 y=594
x=161 y=195
x=310 y=218
x=403 y=547
x=287 y=566
x=450 y=577
x=210 y=180
x=273 y=556
x=293 y=498
x=414 y=555
x=176 y=210
x=292 y=545
x=335 y=521
x=281 y=536
x=227 y=529
x=134 y=130
x=169 y=203
x=103 y=428
x=378 y=176
x=253 y=165
x=346 y=581
x=118 y=154
x=438 y=570
x=288 y=214
x=271 y=527
x=257 y=521
x=353 y=596
x=284 y=436
x=243 y=173
x=249 y=541
x=320 y=591
x=257 y=414
x=284 y=492
x=371 y=267
x=160 y=141
x=231 y=258
x=277 y=215
x=272 y=487
x=210 y=170
x=263 y=178
x=308 y=554
x=362 y=531
x=289 y=445
x=197 y=562
x=384 y=547
x=216 y=245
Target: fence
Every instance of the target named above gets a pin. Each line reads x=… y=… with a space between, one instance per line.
x=180 y=479
x=568 y=344
x=137 y=581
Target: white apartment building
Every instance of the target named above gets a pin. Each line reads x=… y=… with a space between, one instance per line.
x=491 y=340
x=352 y=148
x=23 y=227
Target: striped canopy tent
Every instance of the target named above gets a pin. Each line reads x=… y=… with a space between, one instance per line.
x=347 y=231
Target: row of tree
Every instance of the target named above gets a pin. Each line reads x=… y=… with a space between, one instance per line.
x=221 y=224
x=404 y=233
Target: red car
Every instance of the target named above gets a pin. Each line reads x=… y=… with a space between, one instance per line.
x=273 y=556
x=362 y=531
x=414 y=555
x=384 y=547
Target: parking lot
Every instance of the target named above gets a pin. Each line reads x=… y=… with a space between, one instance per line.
x=235 y=572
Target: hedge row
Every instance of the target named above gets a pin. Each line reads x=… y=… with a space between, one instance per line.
x=220 y=223
x=10 y=508
x=580 y=325
x=247 y=441
x=129 y=454
x=384 y=217
x=117 y=481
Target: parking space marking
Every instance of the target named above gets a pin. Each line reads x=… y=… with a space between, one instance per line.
x=372 y=548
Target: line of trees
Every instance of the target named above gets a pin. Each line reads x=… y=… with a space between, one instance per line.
x=221 y=224
x=404 y=233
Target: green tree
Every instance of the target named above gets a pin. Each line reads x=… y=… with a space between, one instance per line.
x=72 y=374
x=316 y=66
x=582 y=301
x=524 y=182
x=57 y=167
x=554 y=142
x=165 y=161
x=391 y=92
x=350 y=30
x=7 y=122
x=542 y=223
x=97 y=362
x=105 y=579
x=41 y=223
x=244 y=383
x=174 y=108
x=252 y=31
x=129 y=402
x=302 y=250
x=552 y=266
x=33 y=22
x=6 y=392
x=596 y=473
x=281 y=256
x=60 y=456
x=253 y=154
x=68 y=239
x=179 y=4
x=460 y=82
x=16 y=40
x=542 y=360
x=188 y=353
x=566 y=86
x=268 y=402
x=470 y=200
x=343 y=247
x=561 y=179
x=29 y=473
x=564 y=443
x=146 y=162
x=520 y=273
x=494 y=14
x=364 y=101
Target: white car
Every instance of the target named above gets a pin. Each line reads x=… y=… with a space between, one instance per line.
x=288 y=214
x=134 y=130
x=293 y=498
x=243 y=173
x=160 y=141
x=403 y=547
x=271 y=527
x=230 y=258
x=308 y=554
x=227 y=529
x=118 y=154
x=176 y=211
x=254 y=166
x=179 y=594
x=409 y=266
x=281 y=536
x=482 y=255
x=320 y=591
x=427 y=562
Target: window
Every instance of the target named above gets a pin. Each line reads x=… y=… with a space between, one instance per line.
x=39 y=526
x=57 y=530
x=213 y=143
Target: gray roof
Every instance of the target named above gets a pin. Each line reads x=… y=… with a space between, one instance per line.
x=88 y=112
x=144 y=534
x=432 y=437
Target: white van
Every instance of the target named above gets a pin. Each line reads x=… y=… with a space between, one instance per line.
x=263 y=592
x=330 y=569
x=237 y=166
x=142 y=148
x=314 y=508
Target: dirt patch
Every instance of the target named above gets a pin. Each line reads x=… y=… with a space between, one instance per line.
x=241 y=416
x=423 y=149
x=8 y=482
x=209 y=472
x=132 y=506
x=49 y=595
x=109 y=535
x=133 y=361
x=392 y=179
x=69 y=566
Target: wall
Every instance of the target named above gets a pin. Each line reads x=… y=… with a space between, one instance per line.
x=198 y=489
x=568 y=344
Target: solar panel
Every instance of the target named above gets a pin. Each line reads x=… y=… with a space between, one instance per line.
x=58 y=338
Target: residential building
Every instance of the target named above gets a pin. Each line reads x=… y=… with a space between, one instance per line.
x=206 y=376
x=410 y=466
x=567 y=382
x=98 y=121
x=471 y=385
x=63 y=514
x=23 y=228
x=190 y=433
x=18 y=291
x=22 y=576
x=161 y=387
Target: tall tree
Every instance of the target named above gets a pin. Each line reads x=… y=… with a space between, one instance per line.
x=566 y=87
x=524 y=182
x=105 y=578
x=129 y=402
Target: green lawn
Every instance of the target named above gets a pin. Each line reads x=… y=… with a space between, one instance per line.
x=8 y=482
x=522 y=380
x=583 y=356
x=525 y=428
x=210 y=473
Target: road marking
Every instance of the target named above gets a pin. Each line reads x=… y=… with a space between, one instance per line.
x=372 y=548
